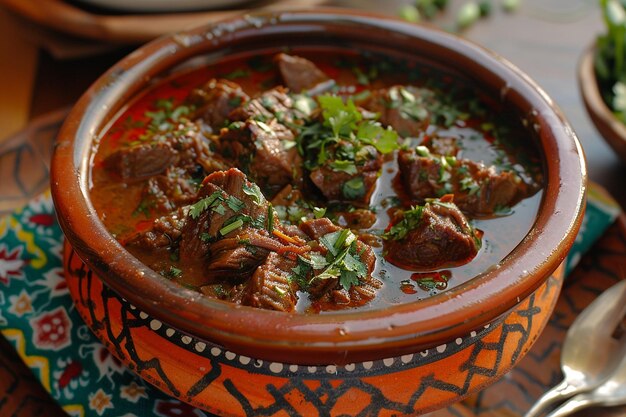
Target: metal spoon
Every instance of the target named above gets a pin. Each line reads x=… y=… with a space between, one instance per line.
x=610 y=394
x=590 y=353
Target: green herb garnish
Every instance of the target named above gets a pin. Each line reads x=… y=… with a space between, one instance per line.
x=410 y=221
x=231 y=227
x=254 y=191
x=211 y=201
x=353 y=189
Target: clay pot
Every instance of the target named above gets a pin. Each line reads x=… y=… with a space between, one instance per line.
x=235 y=360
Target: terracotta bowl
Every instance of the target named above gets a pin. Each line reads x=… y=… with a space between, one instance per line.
x=235 y=360
x=609 y=126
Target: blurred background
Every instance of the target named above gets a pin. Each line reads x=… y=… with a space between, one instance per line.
x=51 y=51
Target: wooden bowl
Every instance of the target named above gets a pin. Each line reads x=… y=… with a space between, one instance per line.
x=610 y=127
x=329 y=340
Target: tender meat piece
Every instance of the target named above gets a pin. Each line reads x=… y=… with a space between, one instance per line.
x=265 y=151
x=402 y=108
x=271 y=287
x=210 y=246
x=433 y=236
x=217 y=191
x=215 y=100
x=478 y=190
x=175 y=188
x=172 y=164
x=328 y=293
x=234 y=257
x=339 y=298
x=271 y=104
x=341 y=186
x=141 y=161
x=299 y=73
x=317 y=228
x=163 y=232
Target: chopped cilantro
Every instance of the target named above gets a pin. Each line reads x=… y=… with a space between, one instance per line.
x=319 y=212
x=343 y=166
x=254 y=191
x=231 y=227
x=219 y=209
x=410 y=221
x=341 y=117
x=172 y=272
x=234 y=203
x=336 y=241
x=208 y=202
x=354 y=188
x=343 y=262
x=385 y=140
x=304 y=104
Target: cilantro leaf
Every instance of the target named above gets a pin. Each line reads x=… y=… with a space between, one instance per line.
x=254 y=191
x=208 y=202
x=234 y=203
x=385 y=140
x=343 y=166
x=348 y=279
x=341 y=117
x=410 y=221
x=354 y=188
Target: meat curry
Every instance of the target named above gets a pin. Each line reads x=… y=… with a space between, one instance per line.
x=314 y=181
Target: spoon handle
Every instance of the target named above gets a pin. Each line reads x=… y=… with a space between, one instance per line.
x=557 y=393
x=579 y=402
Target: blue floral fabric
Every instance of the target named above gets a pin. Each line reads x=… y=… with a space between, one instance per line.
x=37 y=316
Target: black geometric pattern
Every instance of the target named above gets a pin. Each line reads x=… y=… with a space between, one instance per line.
x=329 y=390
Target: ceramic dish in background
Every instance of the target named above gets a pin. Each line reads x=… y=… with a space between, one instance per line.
x=161 y=6
x=128 y=28
x=609 y=126
x=384 y=345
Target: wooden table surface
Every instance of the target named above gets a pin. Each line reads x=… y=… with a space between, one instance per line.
x=42 y=71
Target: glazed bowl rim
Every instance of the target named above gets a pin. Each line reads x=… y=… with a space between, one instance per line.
x=612 y=130
x=326 y=338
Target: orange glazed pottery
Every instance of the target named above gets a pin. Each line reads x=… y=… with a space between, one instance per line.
x=235 y=360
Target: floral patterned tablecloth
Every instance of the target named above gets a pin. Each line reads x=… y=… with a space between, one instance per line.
x=38 y=318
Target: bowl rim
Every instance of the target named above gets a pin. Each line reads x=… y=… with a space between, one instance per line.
x=612 y=130
x=328 y=338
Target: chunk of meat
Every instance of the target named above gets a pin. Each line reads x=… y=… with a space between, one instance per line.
x=401 y=107
x=265 y=151
x=176 y=187
x=317 y=228
x=357 y=187
x=271 y=286
x=171 y=165
x=215 y=100
x=141 y=161
x=163 y=233
x=271 y=104
x=328 y=292
x=431 y=236
x=224 y=195
x=478 y=190
x=299 y=74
